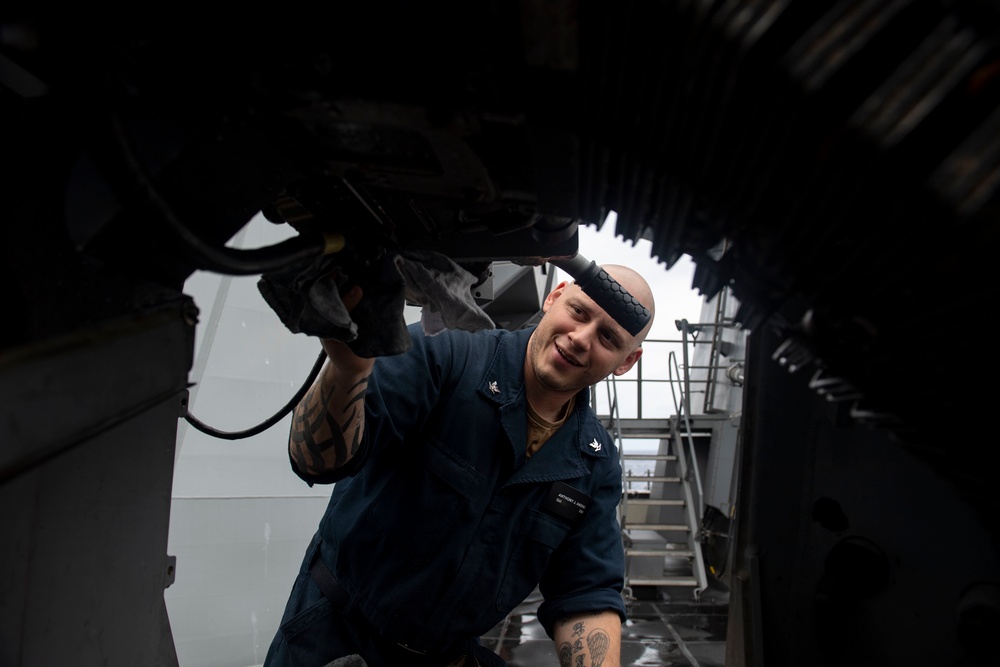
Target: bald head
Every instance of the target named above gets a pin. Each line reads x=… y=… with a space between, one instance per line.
x=577 y=343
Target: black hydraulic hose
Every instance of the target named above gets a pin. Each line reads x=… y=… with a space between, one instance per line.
x=271 y=421
x=225 y=260
x=606 y=292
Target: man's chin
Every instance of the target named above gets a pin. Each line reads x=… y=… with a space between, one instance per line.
x=559 y=382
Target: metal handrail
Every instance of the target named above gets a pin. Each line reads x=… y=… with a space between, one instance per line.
x=685 y=412
x=620 y=442
x=640 y=378
x=693 y=519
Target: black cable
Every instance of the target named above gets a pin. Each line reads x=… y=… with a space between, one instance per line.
x=267 y=423
x=225 y=260
x=130 y=180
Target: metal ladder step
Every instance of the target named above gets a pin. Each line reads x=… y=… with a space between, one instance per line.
x=663 y=581
x=640 y=478
x=666 y=553
x=655 y=501
x=659 y=526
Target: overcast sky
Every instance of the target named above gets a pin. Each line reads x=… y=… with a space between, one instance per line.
x=675 y=298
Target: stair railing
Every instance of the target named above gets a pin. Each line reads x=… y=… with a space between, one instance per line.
x=693 y=516
x=615 y=422
x=683 y=408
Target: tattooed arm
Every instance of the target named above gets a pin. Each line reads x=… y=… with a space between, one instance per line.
x=328 y=422
x=589 y=640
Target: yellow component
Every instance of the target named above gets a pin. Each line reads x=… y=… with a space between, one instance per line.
x=333 y=242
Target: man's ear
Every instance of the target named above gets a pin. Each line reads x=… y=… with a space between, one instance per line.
x=553 y=295
x=629 y=362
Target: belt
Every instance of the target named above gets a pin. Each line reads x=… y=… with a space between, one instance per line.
x=328 y=584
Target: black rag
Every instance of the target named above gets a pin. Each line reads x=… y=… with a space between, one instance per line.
x=306 y=297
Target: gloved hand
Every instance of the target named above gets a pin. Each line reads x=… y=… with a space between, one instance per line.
x=307 y=299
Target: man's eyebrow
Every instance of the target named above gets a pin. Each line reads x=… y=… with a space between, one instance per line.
x=612 y=326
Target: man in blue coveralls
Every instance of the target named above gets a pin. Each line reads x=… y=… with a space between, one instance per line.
x=469 y=470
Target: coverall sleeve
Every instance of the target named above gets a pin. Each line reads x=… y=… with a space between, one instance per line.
x=587 y=572
x=403 y=393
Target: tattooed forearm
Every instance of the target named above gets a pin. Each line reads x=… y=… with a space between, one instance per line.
x=324 y=422
x=585 y=642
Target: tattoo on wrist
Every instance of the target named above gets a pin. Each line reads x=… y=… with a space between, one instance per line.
x=575 y=654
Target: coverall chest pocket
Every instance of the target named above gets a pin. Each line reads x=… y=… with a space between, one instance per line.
x=428 y=501
x=540 y=535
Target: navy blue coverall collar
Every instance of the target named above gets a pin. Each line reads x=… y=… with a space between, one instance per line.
x=562 y=456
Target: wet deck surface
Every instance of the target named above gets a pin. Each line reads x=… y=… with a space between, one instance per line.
x=662 y=630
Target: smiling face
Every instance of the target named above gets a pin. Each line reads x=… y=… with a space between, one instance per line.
x=577 y=344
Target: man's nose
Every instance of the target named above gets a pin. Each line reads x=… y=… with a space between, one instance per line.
x=583 y=337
